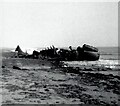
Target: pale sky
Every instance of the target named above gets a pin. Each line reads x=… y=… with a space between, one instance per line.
x=37 y=24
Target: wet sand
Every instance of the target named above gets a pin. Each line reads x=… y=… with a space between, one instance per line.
x=32 y=81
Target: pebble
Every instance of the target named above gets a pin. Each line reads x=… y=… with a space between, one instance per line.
x=3 y=66
x=16 y=67
x=44 y=86
x=46 y=89
x=57 y=101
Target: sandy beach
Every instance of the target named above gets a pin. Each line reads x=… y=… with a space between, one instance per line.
x=36 y=81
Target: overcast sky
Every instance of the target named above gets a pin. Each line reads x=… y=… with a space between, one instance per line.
x=34 y=24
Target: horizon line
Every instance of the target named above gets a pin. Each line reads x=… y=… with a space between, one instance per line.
x=58 y=46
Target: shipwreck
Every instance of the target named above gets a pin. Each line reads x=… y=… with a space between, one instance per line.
x=86 y=52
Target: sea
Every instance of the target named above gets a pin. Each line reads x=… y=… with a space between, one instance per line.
x=109 y=58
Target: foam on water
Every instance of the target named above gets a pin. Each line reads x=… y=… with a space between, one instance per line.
x=112 y=64
x=99 y=63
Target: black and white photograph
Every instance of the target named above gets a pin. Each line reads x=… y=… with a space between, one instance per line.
x=59 y=52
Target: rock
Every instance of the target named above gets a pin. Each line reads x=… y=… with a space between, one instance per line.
x=3 y=66
x=36 y=84
x=46 y=89
x=103 y=103
x=116 y=91
x=95 y=90
x=16 y=67
x=57 y=101
x=118 y=77
x=44 y=86
x=89 y=69
x=42 y=98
